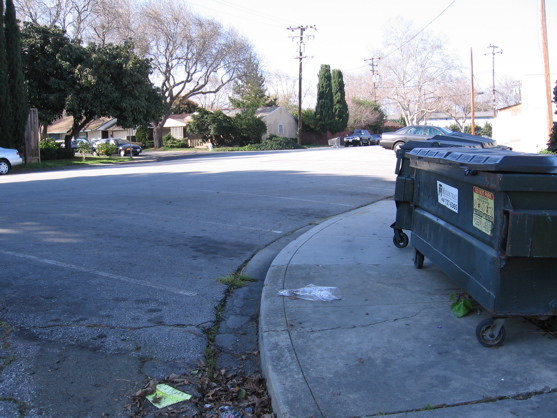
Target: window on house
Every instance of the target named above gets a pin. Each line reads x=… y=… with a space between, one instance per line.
x=281 y=129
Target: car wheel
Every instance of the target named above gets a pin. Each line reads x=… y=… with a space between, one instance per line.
x=398 y=145
x=4 y=167
x=122 y=153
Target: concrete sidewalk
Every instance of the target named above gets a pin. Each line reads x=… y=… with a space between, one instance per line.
x=391 y=345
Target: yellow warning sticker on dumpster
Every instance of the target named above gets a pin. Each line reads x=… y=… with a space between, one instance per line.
x=483 y=210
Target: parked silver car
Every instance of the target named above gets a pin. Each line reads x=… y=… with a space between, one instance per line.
x=395 y=140
x=9 y=158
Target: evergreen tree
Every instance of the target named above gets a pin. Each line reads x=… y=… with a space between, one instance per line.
x=324 y=107
x=552 y=144
x=16 y=82
x=340 y=107
x=5 y=116
x=249 y=89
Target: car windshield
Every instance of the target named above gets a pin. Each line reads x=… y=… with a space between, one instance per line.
x=120 y=142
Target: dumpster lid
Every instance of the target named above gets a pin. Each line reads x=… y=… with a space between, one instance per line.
x=454 y=139
x=492 y=159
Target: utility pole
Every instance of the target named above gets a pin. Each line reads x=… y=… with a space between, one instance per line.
x=473 y=93
x=300 y=57
x=546 y=69
x=493 y=52
x=374 y=76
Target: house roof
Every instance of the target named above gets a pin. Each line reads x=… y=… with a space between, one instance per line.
x=482 y=114
x=261 y=112
x=64 y=124
x=178 y=120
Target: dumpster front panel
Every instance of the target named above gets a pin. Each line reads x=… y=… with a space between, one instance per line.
x=462 y=204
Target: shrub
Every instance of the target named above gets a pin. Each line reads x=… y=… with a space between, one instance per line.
x=143 y=135
x=274 y=143
x=552 y=144
x=49 y=143
x=170 y=142
x=48 y=153
x=65 y=154
x=106 y=149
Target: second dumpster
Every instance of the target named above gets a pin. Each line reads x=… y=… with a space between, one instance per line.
x=488 y=219
x=405 y=175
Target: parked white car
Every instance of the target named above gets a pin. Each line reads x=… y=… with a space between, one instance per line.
x=9 y=158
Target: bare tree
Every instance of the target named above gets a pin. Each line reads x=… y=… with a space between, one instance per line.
x=413 y=65
x=111 y=21
x=188 y=53
x=285 y=88
x=508 y=91
x=453 y=100
x=98 y=21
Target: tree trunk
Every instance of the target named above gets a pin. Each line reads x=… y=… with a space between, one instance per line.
x=157 y=135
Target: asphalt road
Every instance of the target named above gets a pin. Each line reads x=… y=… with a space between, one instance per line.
x=109 y=275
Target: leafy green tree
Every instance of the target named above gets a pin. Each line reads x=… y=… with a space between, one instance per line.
x=552 y=144
x=324 y=107
x=249 y=88
x=143 y=135
x=49 y=60
x=487 y=130
x=16 y=81
x=340 y=107
x=112 y=81
x=248 y=127
x=186 y=106
x=5 y=108
x=309 y=121
x=215 y=127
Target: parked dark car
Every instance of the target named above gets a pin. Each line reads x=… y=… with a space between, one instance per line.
x=124 y=147
x=359 y=137
x=395 y=140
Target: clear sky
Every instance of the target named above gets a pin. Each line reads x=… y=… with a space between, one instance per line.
x=348 y=31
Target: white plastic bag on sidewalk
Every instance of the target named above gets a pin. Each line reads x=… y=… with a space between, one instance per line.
x=312 y=292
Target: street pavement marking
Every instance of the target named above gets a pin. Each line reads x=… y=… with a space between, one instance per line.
x=98 y=273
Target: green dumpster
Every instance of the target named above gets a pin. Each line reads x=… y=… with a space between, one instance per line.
x=488 y=219
x=405 y=176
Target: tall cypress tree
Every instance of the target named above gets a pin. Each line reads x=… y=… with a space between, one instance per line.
x=324 y=107
x=340 y=107
x=16 y=81
x=5 y=116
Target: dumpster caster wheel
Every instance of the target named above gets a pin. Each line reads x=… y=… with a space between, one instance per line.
x=418 y=260
x=400 y=240
x=491 y=332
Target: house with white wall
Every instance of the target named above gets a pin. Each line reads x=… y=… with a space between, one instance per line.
x=524 y=127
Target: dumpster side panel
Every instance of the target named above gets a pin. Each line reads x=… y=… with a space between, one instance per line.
x=527 y=287
x=458 y=201
x=532 y=234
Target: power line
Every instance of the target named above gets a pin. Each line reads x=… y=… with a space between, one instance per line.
x=424 y=28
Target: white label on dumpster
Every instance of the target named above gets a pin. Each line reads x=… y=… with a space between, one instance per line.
x=447 y=196
x=484 y=210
